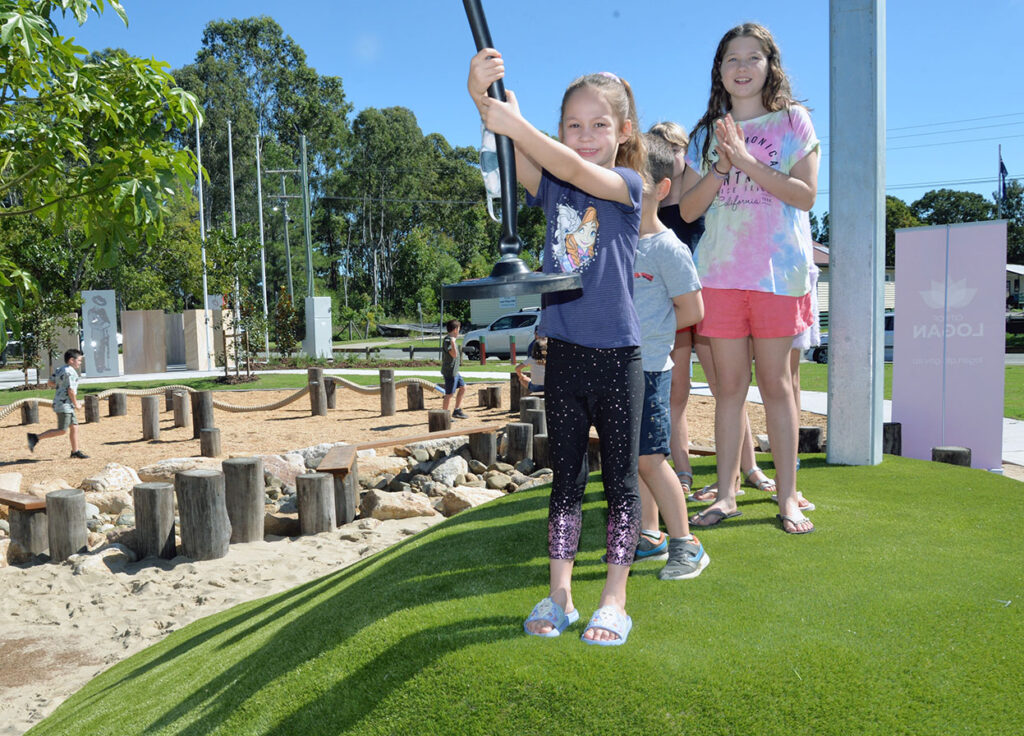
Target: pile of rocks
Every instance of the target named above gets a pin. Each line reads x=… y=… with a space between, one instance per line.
x=431 y=478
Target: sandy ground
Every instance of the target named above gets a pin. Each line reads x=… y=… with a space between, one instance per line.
x=59 y=629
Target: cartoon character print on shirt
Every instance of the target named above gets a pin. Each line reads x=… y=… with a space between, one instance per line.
x=575 y=241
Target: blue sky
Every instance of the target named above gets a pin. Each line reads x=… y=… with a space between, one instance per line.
x=953 y=87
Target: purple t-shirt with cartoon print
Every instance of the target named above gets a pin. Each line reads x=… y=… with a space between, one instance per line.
x=597 y=239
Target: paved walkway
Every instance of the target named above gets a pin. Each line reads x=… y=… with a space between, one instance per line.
x=812 y=401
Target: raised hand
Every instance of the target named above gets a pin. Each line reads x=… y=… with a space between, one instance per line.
x=731 y=144
x=485 y=68
x=501 y=117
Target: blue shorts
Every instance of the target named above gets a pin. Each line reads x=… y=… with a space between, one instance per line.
x=452 y=384
x=656 y=422
x=534 y=388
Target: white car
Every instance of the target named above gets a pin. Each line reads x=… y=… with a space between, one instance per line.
x=819 y=354
x=496 y=336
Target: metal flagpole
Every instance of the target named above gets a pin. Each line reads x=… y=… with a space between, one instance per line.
x=234 y=232
x=202 y=236
x=263 y=251
x=999 y=185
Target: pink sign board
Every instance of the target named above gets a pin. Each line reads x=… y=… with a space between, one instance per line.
x=949 y=339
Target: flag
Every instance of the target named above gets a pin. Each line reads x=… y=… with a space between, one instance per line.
x=1002 y=179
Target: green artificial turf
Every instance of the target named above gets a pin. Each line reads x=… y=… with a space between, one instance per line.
x=900 y=615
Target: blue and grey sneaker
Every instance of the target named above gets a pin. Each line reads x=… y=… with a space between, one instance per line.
x=686 y=559
x=648 y=548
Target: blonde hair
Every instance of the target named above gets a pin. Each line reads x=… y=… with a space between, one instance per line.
x=672 y=133
x=619 y=96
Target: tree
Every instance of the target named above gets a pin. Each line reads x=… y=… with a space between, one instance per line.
x=946 y=206
x=85 y=139
x=1013 y=211
x=897 y=215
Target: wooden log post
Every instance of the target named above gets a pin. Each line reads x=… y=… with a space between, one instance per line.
x=952 y=455
x=892 y=438
x=315 y=493
x=538 y=419
x=414 y=396
x=541 y=451
x=525 y=404
x=483 y=446
x=202 y=412
x=317 y=392
x=483 y=400
x=182 y=409
x=593 y=456
x=438 y=420
x=169 y=399
x=117 y=404
x=346 y=495
x=154 y=520
x=205 y=528
x=92 y=409
x=387 y=392
x=150 y=417
x=810 y=439
x=520 y=441
x=30 y=412
x=244 y=497
x=515 y=392
x=494 y=397
x=65 y=523
x=330 y=390
x=29 y=530
x=209 y=442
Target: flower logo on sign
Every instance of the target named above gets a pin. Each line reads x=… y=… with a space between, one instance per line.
x=958 y=296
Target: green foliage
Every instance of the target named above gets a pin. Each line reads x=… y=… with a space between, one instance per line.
x=897 y=215
x=285 y=324
x=1013 y=210
x=946 y=206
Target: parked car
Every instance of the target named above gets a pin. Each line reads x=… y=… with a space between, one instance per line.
x=496 y=335
x=819 y=354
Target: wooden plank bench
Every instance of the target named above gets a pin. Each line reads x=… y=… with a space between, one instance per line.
x=28 y=521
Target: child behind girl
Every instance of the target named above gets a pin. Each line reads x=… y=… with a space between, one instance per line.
x=752 y=167
x=594 y=375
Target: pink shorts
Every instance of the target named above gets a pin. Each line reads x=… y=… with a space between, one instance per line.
x=735 y=313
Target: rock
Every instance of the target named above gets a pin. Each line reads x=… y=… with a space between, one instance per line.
x=380 y=464
x=399 y=486
x=763 y=445
x=282 y=524
x=92 y=511
x=11 y=482
x=4 y=545
x=385 y=505
x=383 y=482
x=449 y=470
x=533 y=482
x=461 y=498
x=95 y=540
x=126 y=518
x=420 y=480
x=366 y=453
x=313 y=455
x=433 y=488
x=41 y=488
x=113 y=477
x=502 y=467
x=440 y=447
x=420 y=455
x=5 y=526
x=164 y=470
x=112 y=558
x=518 y=478
x=113 y=502
x=367 y=524
x=289 y=504
x=497 y=481
x=283 y=467
x=478 y=483
x=525 y=466
x=475 y=466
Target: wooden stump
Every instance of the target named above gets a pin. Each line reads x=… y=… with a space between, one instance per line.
x=182 y=409
x=494 y=397
x=346 y=495
x=209 y=442
x=809 y=439
x=483 y=446
x=526 y=403
x=892 y=438
x=317 y=399
x=150 y=417
x=438 y=420
x=29 y=530
x=316 y=502
x=30 y=412
x=154 y=520
x=538 y=419
x=387 y=392
x=952 y=455
x=414 y=396
x=515 y=392
x=482 y=398
x=330 y=390
x=244 y=497
x=92 y=409
x=117 y=405
x=65 y=523
x=541 y=451
x=169 y=399
x=205 y=528
x=202 y=412
x=520 y=441
x=593 y=455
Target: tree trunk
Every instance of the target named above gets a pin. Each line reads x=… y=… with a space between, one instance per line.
x=316 y=502
x=205 y=527
x=414 y=396
x=92 y=409
x=150 y=417
x=117 y=405
x=154 y=520
x=438 y=420
x=520 y=441
x=202 y=412
x=30 y=412
x=483 y=446
x=387 y=392
x=182 y=409
x=244 y=497
x=209 y=442
x=65 y=523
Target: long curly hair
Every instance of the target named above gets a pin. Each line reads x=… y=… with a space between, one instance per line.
x=775 y=95
x=619 y=96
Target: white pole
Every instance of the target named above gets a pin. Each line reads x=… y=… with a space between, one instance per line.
x=234 y=234
x=202 y=236
x=263 y=250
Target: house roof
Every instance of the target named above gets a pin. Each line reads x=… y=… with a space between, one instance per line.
x=820 y=254
x=1014 y=268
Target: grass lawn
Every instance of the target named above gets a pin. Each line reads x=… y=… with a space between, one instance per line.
x=895 y=617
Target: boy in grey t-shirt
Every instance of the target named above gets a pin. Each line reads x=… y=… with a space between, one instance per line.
x=666 y=294
x=65 y=403
x=450 y=359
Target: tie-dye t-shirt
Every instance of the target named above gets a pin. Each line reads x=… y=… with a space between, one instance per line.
x=753 y=240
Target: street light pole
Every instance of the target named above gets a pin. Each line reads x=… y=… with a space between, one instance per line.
x=305 y=214
x=263 y=252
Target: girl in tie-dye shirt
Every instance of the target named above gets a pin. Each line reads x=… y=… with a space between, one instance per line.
x=752 y=171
